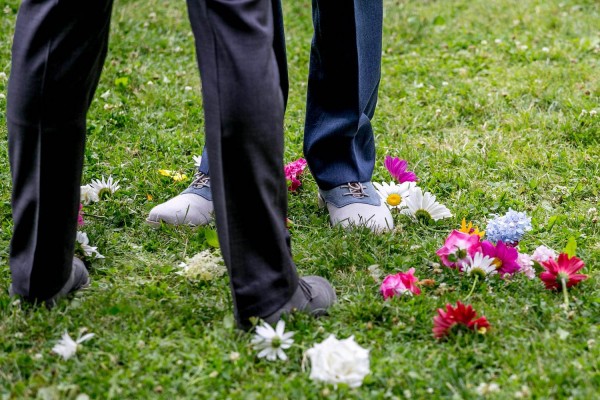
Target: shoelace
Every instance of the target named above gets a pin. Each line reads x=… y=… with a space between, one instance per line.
x=306 y=289
x=356 y=190
x=201 y=180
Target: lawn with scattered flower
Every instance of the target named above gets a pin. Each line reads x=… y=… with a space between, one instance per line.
x=488 y=149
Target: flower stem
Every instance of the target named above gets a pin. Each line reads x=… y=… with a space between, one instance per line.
x=564 y=290
x=473 y=287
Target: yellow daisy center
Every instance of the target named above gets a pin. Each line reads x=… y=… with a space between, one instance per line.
x=497 y=263
x=393 y=199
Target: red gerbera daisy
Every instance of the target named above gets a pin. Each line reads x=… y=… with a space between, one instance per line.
x=460 y=315
x=565 y=268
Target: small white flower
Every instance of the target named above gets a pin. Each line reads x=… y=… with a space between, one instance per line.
x=187 y=88
x=88 y=194
x=485 y=389
x=84 y=242
x=543 y=253
x=393 y=194
x=339 y=361
x=545 y=49
x=271 y=342
x=480 y=265
x=424 y=206
x=3 y=76
x=67 y=347
x=197 y=160
x=203 y=266
x=105 y=95
x=104 y=187
x=498 y=41
x=2 y=96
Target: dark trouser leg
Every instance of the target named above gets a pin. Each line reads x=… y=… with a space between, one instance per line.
x=280 y=55
x=244 y=107
x=58 y=51
x=345 y=68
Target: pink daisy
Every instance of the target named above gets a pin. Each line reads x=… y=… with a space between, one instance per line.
x=397 y=169
x=505 y=257
x=565 y=268
x=457 y=247
x=400 y=284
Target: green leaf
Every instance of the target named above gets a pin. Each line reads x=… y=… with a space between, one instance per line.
x=211 y=238
x=439 y=20
x=122 y=82
x=571 y=247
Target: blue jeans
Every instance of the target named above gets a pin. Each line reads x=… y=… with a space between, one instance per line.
x=343 y=80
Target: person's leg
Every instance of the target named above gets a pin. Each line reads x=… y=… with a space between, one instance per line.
x=344 y=73
x=58 y=51
x=194 y=205
x=244 y=108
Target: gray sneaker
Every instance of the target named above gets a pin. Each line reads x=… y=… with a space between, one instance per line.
x=314 y=296
x=78 y=280
x=356 y=204
x=192 y=207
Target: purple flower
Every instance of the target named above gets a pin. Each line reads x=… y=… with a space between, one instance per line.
x=505 y=257
x=397 y=169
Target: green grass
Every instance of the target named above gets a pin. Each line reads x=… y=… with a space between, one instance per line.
x=487 y=124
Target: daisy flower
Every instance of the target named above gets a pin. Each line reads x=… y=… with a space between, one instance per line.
x=67 y=347
x=104 y=188
x=84 y=245
x=479 y=265
x=423 y=206
x=470 y=229
x=461 y=316
x=402 y=283
x=271 y=342
x=564 y=270
x=397 y=168
x=88 y=194
x=457 y=247
x=505 y=257
x=392 y=194
x=508 y=228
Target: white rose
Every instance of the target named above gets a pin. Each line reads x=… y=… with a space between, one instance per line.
x=339 y=361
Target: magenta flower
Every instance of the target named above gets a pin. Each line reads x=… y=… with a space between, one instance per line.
x=400 y=284
x=397 y=169
x=505 y=257
x=292 y=172
x=562 y=271
x=457 y=247
x=80 y=215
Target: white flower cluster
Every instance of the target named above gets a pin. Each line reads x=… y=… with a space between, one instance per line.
x=204 y=266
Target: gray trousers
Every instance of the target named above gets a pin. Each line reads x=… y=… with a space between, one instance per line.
x=58 y=51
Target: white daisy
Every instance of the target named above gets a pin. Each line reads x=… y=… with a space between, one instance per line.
x=103 y=187
x=393 y=194
x=197 y=161
x=67 y=347
x=271 y=342
x=84 y=243
x=423 y=206
x=480 y=265
x=88 y=194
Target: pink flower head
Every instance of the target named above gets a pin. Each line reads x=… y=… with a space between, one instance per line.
x=543 y=253
x=292 y=172
x=397 y=169
x=505 y=257
x=400 y=284
x=457 y=247
x=565 y=268
x=80 y=215
x=460 y=315
x=526 y=265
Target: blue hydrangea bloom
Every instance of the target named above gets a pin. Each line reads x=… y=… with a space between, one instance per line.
x=509 y=228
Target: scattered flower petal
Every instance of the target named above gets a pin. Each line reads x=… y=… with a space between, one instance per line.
x=67 y=347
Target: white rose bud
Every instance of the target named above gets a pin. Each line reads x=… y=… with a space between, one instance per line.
x=339 y=361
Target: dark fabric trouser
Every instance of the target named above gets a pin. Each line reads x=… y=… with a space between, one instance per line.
x=58 y=51
x=343 y=81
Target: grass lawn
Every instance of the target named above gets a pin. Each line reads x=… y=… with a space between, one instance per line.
x=495 y=106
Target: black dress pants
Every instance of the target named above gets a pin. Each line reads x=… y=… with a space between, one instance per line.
x=58 y=51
